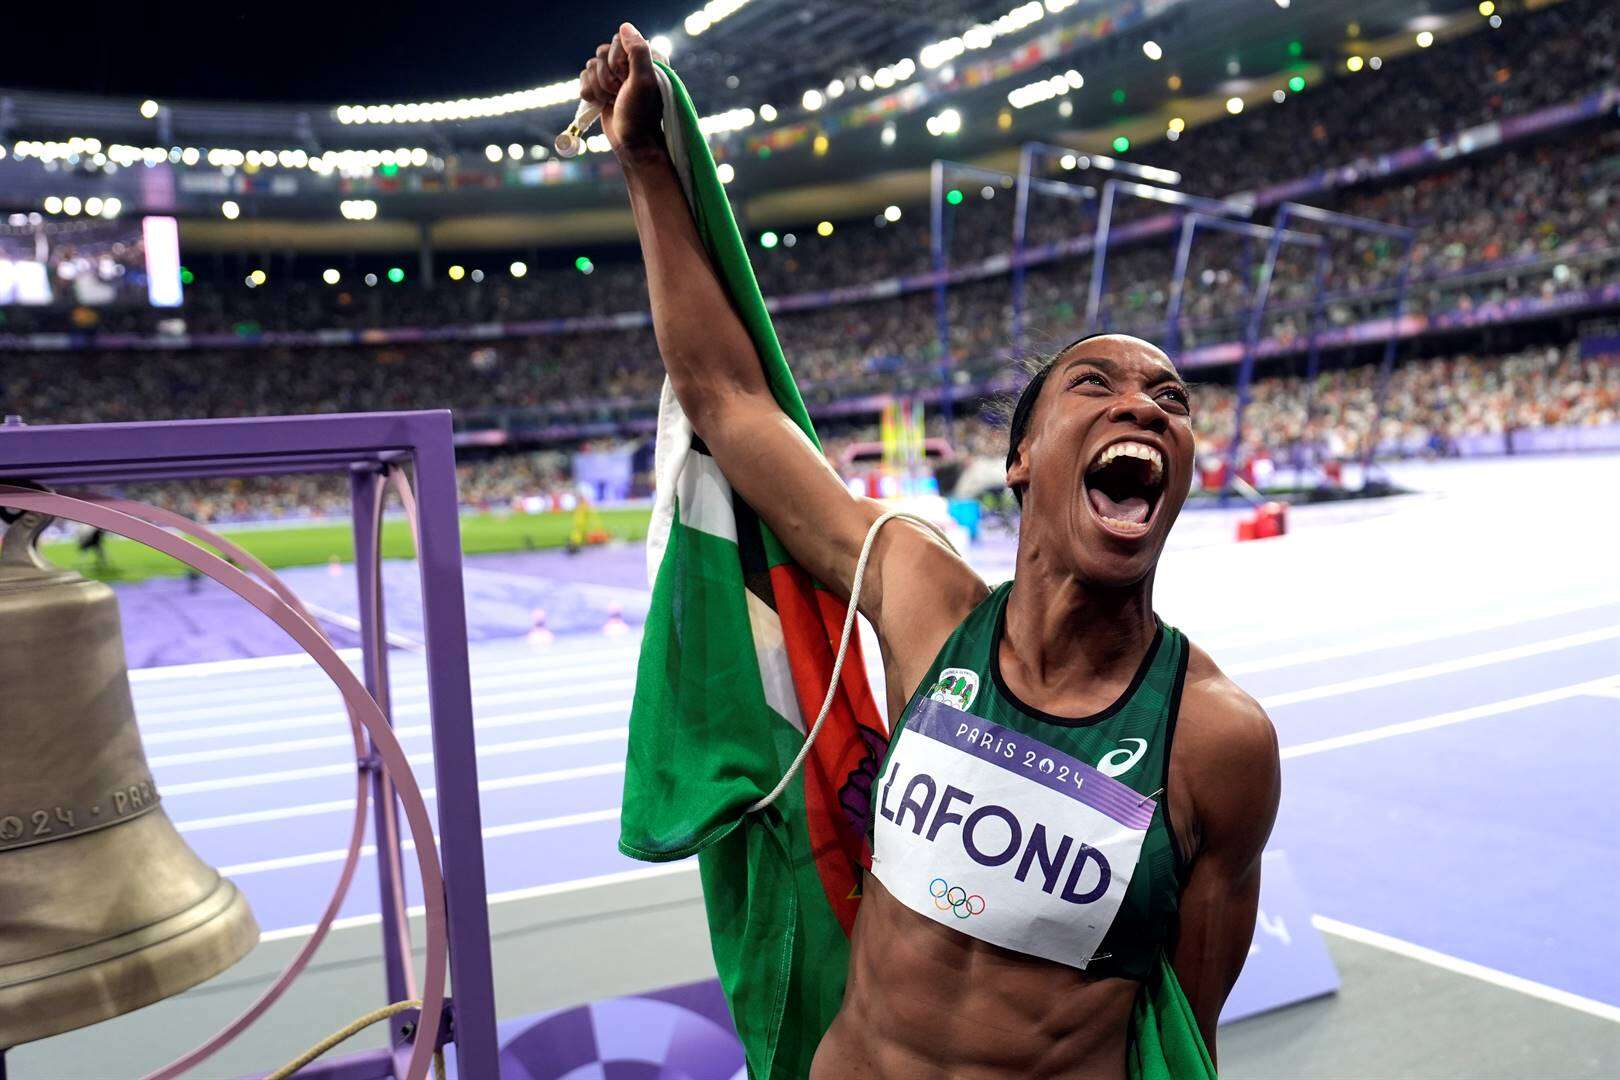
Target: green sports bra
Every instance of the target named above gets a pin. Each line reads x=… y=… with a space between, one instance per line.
x=1044 y=834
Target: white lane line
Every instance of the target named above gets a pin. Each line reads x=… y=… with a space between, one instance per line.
x=563 y=821
x=1446 y=962
x=505 y=783
x=1293 y=697
x=533 y=892
x=276 y=701
x=1300 y=750
x=1411 y=637
x=481 y=703
x=1443 y=667
x=207 y=668
x=1445 y=719
x=287 y=776
x=352 y=624
x=1214 y=641
x=328 y=742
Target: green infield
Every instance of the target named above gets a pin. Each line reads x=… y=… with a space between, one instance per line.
x=306 y=545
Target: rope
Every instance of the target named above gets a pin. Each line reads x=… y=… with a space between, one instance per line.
x=843 y=648
x=374 y=1017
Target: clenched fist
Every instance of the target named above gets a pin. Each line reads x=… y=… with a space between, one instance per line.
x=620 y=78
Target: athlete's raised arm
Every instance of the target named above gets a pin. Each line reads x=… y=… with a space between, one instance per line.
x=716 y=374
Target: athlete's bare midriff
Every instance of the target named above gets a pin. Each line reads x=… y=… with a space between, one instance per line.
x=924 y=1000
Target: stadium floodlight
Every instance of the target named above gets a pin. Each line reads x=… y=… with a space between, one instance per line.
x=725 y=172
x=518 y=268
x=149 y=108
x=53 y=204
x=258 y=277
x=767 y=112
x=1152 y=50
x=812 y=100
x=230 y=209
x=371 y=280
x=111 y=207
x=1424 y=39
x=493 y=153
x=887 y=136
x=1234 y=105
x=767 y=240
x=824 y=228
x=477 y=276
x=662 y=45
x=946 y=122
x=891 y=213
x=331 y=275
x=457 y=272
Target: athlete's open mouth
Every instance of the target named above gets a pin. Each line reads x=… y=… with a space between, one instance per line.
x=1123 y=485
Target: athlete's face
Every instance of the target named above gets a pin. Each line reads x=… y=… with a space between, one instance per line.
x=1107 y=459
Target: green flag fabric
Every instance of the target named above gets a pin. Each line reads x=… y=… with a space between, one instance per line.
x=738 y=651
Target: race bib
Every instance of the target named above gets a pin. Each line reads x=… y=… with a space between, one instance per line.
x=1009 y=840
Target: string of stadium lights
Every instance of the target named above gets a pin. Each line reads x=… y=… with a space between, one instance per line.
x=360 y=163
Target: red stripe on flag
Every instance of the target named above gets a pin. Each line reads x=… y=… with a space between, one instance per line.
x=841 y=770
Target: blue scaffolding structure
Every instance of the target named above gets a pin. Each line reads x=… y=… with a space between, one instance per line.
x=1293 y=213
x=1030 y=155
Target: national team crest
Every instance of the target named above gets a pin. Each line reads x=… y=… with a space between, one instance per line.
x=957 y=687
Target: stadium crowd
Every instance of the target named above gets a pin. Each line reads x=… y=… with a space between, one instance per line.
x=1430 y=405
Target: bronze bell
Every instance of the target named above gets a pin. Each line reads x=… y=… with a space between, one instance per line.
x=103 y=906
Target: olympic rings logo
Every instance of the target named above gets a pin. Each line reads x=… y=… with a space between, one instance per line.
x=955 y=899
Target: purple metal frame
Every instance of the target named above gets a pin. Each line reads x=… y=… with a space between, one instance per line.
x=1286 y=213
x=939 y=247
x=1105 y=222
x=367 y=446
x=1028 y=156
x=939 y=252
x=1190 y=225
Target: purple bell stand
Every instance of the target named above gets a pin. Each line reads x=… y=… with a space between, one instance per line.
x=373 y=449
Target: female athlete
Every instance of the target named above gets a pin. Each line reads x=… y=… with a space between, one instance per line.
x=1073 y=789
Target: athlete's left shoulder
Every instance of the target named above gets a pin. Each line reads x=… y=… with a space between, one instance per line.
x=1225 y=742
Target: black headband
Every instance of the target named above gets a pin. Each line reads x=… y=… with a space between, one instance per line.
x=1028 y=396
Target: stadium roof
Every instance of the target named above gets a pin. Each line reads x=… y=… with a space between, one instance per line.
x=834 y=104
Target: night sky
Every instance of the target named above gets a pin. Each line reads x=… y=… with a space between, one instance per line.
x=294 y=50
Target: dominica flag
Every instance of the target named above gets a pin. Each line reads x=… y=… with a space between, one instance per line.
x=737 y=655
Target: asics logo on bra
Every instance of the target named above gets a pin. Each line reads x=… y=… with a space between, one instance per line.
x=1117 y=762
